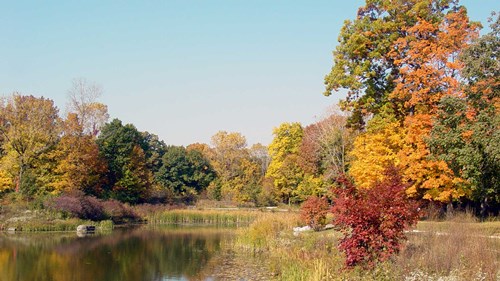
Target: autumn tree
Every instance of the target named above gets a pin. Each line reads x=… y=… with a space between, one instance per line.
x=404 y=55
x=366 y=61
x=29 y=128
x=427 y=58
x=227 y=153
x=260 y=154
x=310 y=150
x=239 y=173
x=78 y=164
x=284 y=169
x=325 y=146
x=466 y=130
x=83 y=96
x=376 y=149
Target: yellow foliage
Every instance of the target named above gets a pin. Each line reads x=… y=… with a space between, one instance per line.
x=375 y=150
x=311 y=185
x=284 y=168
x=6 y=181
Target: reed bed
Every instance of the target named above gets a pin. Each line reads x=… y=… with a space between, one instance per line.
x=204 y=217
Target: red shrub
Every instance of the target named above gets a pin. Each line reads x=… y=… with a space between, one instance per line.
x=78 y=205
x=373 y=220
x=313 y=212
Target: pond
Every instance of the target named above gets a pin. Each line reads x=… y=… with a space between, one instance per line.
x=141 y=253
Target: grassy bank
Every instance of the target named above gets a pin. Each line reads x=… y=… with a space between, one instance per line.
x=457 y=249
x=55 y=225
x=28 y=217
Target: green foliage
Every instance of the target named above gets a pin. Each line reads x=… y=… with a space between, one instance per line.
x=471 y=148
x=154 y=149
x=184 y=171
x=123 y=148
x=466 y=131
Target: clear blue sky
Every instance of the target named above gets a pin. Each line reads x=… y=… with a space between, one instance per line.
x=183 y=69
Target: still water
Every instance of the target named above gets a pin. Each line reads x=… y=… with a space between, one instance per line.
x=142 y=253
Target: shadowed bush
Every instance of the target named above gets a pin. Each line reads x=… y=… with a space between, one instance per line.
x=78 y=205
x=119 y=212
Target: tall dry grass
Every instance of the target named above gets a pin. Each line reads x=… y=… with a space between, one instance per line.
x=459 y=248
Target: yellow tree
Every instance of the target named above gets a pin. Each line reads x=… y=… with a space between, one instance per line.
x=284 y=168
x=239 y=175
x=228 y=150
x=5 y=181
x=376 y=149
x=30 y=128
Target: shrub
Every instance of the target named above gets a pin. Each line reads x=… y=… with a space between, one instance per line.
x=373 y=220
x=78 y=205
x=119 y=212
x=313 y=212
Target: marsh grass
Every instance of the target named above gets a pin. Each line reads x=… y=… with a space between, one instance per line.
x=203 y=217
x=459 y=248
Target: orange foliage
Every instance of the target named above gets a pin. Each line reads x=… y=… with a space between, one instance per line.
x=427 y=58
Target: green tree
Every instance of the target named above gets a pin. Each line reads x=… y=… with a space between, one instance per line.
x=185 y=172
x=128 y=176
x=154 y=149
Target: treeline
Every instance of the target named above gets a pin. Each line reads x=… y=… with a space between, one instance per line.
x=423 y=98
x=43 y=154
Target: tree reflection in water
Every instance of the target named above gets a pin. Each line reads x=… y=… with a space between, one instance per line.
x=126 y=254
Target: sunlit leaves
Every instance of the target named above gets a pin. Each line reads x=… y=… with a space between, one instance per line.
x=284 y=168
x=29 y=128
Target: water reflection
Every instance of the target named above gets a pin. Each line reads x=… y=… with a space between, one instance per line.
x=126 y=254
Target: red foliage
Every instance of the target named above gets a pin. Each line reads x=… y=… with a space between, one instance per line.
x=373 y=220
x=313 y=212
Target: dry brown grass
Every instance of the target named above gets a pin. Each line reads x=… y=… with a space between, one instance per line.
x=459 y=248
